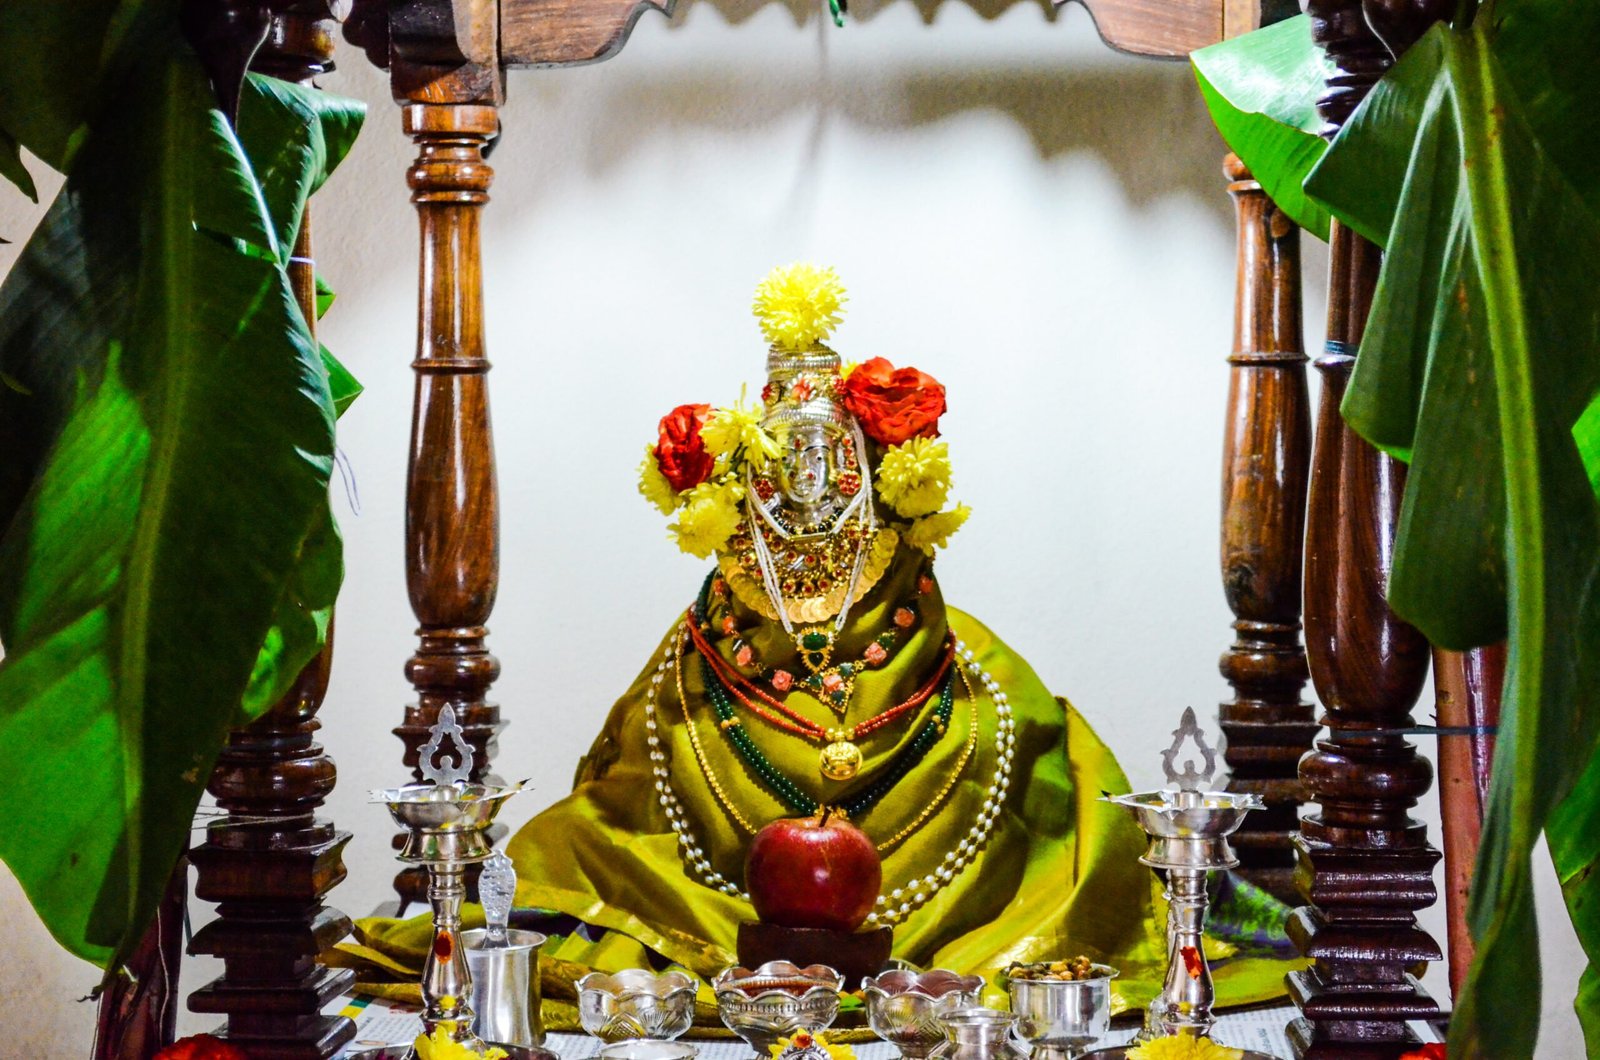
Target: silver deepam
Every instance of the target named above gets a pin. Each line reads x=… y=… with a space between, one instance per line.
x=1188 y=828
x=444 y=820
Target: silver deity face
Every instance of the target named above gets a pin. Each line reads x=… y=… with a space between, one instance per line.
x=814 y=479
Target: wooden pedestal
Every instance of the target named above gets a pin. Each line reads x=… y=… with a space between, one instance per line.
x=854 y=954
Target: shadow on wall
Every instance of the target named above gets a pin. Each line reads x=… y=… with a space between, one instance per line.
x=1144 y=120
x=804 y=11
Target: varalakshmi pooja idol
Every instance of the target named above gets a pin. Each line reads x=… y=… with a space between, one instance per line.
x=817 y=672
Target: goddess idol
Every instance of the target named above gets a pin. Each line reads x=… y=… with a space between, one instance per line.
x=818 y=672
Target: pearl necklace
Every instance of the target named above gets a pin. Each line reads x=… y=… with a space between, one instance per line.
x=898 y=903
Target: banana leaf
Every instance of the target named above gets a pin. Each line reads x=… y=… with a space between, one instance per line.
x=165 y=540
x=1480 y=358
x=1261 y=90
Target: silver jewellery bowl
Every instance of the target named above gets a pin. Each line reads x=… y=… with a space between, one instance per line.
x=777 y=1000
x=1061 y=1018
x=636 y=1003
x=904 y=1008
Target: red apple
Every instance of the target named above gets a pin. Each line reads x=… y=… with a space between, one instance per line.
x=811 y=872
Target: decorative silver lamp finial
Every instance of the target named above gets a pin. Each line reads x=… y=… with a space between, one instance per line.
x=1189 y=779
x=441 y=766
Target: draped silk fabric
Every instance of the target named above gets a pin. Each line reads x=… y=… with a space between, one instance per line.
x=1058 y=876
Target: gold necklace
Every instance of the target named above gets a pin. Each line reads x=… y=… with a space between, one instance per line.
x=726 y=801
x=955 y=774
x=694 y=741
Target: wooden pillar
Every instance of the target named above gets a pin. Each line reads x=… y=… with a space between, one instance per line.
x=1363 y=862
x=269 y=864
x=1265 y=464
x=1467 y=688
x=452 y=500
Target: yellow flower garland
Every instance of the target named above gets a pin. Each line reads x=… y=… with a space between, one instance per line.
x=653 y=485
x=1183 y=1047
x=933 y=531
x=798 y=305
x=441 y=1046
x=730 y=428
x=709 y=517
x=914 y=477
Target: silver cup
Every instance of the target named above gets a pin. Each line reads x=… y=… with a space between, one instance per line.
x=1061 y=1018
x=505 y=988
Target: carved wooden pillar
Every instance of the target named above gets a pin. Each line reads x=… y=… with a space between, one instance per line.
x=452 y=501
x=1265 y=463
x=1467 y=688
x=271 y=861
x=1364 y=864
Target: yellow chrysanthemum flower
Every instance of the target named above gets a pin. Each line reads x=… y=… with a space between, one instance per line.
x=1183 y=1047
x=709 y=517
x=914 y=477
x=653 y=485
x=730 y=428
x=933 y=531
x=820 y=1040
x=798 y=305
x=441 y=1046
x=845 y=368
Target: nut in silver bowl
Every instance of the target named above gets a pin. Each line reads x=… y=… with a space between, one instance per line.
x=636 y=1004
x=904 y=1008
x=1061 y=1018
x=776 y=1000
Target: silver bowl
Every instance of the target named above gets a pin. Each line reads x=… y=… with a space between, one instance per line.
x=444 y=822
x=1061 y=1018
x=649 y=1049
x=776 y=1000
x=636 y=1003
x=904 y=1007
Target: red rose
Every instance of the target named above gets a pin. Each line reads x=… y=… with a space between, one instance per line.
x=201 y=1047
x=894 y=404
x=681 y=452
x=1430 y=1051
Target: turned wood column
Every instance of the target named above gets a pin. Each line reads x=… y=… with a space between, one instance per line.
x=1364 y=864
x=452 y=501
x=271 y=861
x=1467 y=687
x=1265 y=463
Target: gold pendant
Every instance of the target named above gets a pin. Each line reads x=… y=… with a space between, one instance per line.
x=841 y=760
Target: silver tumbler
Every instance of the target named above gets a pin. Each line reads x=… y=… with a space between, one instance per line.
x=505 y=988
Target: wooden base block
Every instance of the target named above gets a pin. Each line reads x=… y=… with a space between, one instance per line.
x=855 y=955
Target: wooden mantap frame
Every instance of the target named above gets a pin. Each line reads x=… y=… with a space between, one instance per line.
x=1303 y=520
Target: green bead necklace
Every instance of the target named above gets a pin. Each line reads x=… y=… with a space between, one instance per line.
x=787 y=791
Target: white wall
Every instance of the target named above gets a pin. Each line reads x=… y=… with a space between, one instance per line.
x=1035 y=220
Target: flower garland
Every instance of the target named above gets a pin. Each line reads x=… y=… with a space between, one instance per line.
x=703 y=456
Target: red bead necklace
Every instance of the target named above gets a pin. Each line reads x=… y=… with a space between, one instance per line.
x=796 y=723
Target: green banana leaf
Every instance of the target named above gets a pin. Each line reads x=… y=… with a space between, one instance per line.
x=1261 y=90
x=1481 y=356
x=166 y=536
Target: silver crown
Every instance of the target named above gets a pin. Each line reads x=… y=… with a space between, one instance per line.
x=786 y=369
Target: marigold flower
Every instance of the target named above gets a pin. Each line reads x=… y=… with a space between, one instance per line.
x=804 y=1042
x=441 y=1046
x=1183 y=1047
x=914 y=477
x=798 y=305
x=933 y=531
x=653 y=485
x=893 y=404
x=201 y=1047
x=730 y=428
x=709 y=517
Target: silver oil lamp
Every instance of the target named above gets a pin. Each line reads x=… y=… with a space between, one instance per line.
x=1188 y=828
x=444 y=819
